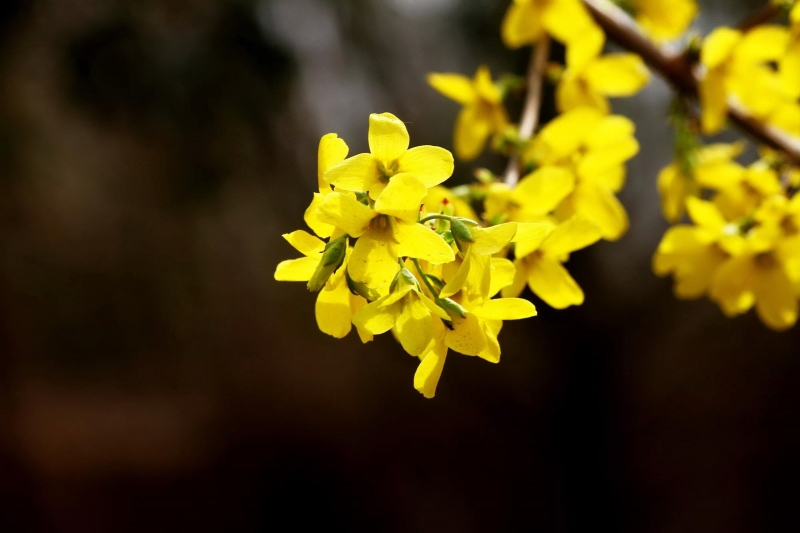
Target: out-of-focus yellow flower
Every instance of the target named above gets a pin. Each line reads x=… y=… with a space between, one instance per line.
x=596 y=78
x=594 y=148
x=527 y=20
x=741 y=196
x=710 y=166
x=389 y=156
x=439 y=198
x=539 y=263
x=664 y=20
x=737 y=64
x=483 y=114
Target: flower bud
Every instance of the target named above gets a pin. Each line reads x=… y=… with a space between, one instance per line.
x=460 y=230
x=332 y=258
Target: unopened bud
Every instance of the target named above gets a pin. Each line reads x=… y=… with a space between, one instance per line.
x=451 y=306
x=332 y=258
x=460 y=230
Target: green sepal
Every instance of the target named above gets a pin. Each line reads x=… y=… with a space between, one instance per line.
x=332 y=258
x=460 y=230
x=451 y=306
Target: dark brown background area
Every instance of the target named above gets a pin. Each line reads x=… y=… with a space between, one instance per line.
x=154 y=377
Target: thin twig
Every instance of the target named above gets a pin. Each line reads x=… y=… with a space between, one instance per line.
x=676 y=70
x=533 y=103
x=765 y=14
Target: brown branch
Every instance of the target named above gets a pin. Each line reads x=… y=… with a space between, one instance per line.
x=763 y=15
x=677 y=70
x=533 y=101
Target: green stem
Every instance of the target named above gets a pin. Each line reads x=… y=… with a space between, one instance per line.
x=425 y=278
x=433 y=217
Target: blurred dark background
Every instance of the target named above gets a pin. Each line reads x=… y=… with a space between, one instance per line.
x=154 y=377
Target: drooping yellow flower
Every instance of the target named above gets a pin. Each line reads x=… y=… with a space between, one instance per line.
x=389 y=156
x=332 y=150
x=483 y=114
x=566 y=20
x=664 y=20
x=335 y=304
x=710 y=166
x=406 y=311
x=539 y=263
x=594 y=148
x=737 y=65
x=533 y=199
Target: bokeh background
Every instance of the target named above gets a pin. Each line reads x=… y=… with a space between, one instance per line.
x=154 y=376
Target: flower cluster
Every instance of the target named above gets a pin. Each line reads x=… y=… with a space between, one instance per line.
x=742 y=248
x=758 y=69
x=398 y=257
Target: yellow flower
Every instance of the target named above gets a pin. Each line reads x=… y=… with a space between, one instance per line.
x=389 y=156
x=742 y=196
x=535 y=196
x=594 y=148
x=593 y=82
x=539 y=263
x=483 y=114
x=406 y=311
x=737 y=64
x=384 y=233
x=566 y=20
x=664 y=20
x=332 y=150
x=439 y=198
x=335 y=304
x=692 y=254
x=475 y=319
x=711 y=166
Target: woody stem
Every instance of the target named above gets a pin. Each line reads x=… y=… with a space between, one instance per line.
x=677 y=70
x=533 y=104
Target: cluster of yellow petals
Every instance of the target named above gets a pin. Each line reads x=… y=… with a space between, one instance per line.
x=399 y=258
x=742 y=248
x=757 y=69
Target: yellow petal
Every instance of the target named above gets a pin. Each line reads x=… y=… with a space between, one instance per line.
x=485 y=87
x=564 y=134
x=522 y=24
x=419 y=241
x=332 y=150
x=456 y=283
x=673 y=188
x=790 y=69
x=333 y=310
x=520 y=279
x=402 y=197
x=311 y=217
x=343 y=211
x=454 y=86
x=426 y=378
x=572 y=92
x=430 y=164
x=569 y=236
x=374 y=259
x=488 y=241
x=388 y=137
x=542 y=190
x=665 y=19
x=763 y=43
x=505 y=309
x=733 y=286
x=551 y=282
x=503 y=273
x=566 y=20
x=466 y=335
x=617 y=75
x=718 y=46
x=585 y=47
x=473 y=127
x=414 y=326
x=776 y=301
x=296 y=269
x=705 y=214
x=355 y=173
x=377 y=318
x=714 y=100
x=433 y=308
x=305 y=243
x=603 y=208
x=529 y=237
